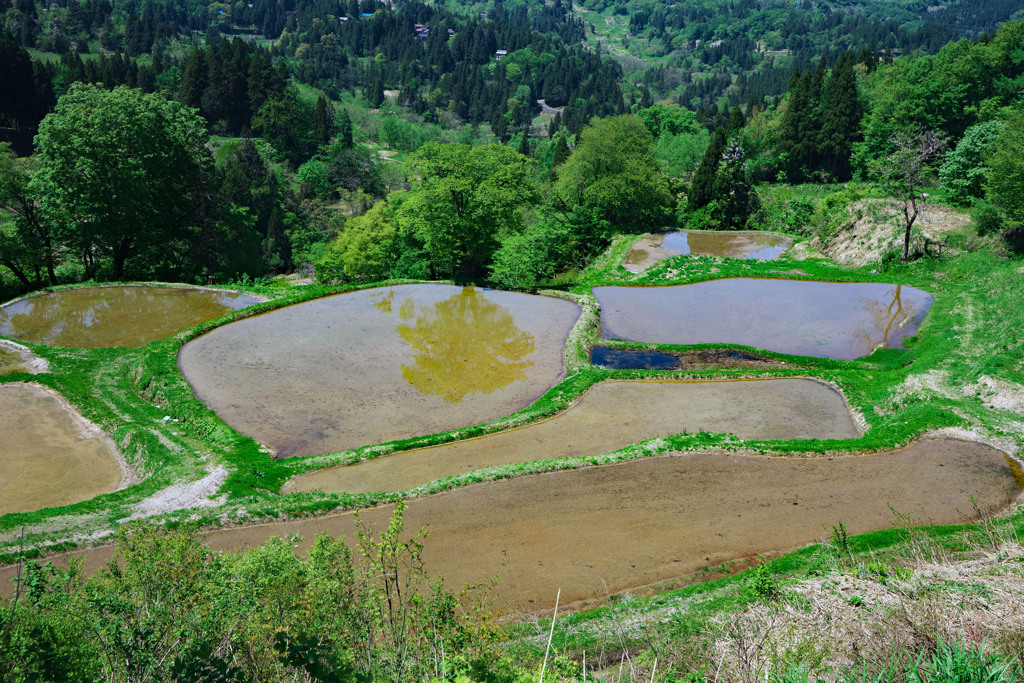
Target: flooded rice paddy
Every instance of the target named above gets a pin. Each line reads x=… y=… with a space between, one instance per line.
x=49 y=454
x=380 y=364
x=91 y=317
x=618 y=527
x=741 y=245
x=610 y=416
x=820 y=319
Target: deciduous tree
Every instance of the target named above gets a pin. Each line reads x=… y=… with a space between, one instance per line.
x=129 y=174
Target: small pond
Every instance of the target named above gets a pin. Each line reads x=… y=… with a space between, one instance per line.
x=610 y=416
x=49 y=454
x=380 y=364
x=656 y=247
x=91 y=317
x=820 y=319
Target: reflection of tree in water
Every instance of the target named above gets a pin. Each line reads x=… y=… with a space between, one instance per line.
x=382 y=302
x=462 y=345
x=883 y=318
x=51 y=318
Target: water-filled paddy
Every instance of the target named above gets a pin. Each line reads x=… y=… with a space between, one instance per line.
x=821 y=319
x=619 y=527
x=610 y=416
x=91 y=317
x=380 y=364
x=656 y=247
x=49 y=455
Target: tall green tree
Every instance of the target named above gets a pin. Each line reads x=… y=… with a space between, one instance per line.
x=963 y=172
x=27 y=245
x=842 y=113
x=1006 y=168
x=345 y=129
x=323 y=121
x=613 y=170
x=128 y=174
x=702 y=189
x=466 y=199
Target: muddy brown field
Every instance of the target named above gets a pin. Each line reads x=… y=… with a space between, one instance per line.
x=611 y=416
x=609 y=529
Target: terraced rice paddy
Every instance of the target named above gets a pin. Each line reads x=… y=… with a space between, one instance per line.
x=380 y=364
x=91 y=317
x=600 y=530
x=821 y=319
x=657 y=247
x=611 y=416
x=49 y=454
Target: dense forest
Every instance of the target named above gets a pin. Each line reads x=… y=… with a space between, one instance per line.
x=283 y=109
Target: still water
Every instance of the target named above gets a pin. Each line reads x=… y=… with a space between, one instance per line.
x=740 y=245
x=91 y=317
x=820 y=319
x=380 y=364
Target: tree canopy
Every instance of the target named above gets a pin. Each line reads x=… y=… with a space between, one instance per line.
x=125 y=173
x=466 y=199
x=613 y=169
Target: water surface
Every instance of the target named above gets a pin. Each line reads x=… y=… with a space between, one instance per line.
x=380 y=364
x=610 y=416
x=49 y=455
x=91 y=317
x=821 y=319
x=656 y=247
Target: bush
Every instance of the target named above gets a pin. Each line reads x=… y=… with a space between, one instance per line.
x=988 y=219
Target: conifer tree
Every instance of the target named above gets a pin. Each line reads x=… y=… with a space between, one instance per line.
x=524 y=142
x=375 y=94
x=841 y=115
x=323 y=121
x=345 y=129
x=703 y=186
x=562 y=152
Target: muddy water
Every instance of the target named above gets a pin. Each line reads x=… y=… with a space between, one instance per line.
x=91 y=317
x=821 y=319
x=49 y=455
x=742 y=245
x=610 y=416
x=380 y=364
x=619 y=527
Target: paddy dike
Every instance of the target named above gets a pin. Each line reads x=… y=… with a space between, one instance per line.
x=657 y=247
x=600 y=530
x=130 y=316
x=843 y=320
x=610 y=416
x=49 y=454
x=380 y=364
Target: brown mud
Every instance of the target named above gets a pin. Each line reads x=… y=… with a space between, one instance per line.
x=610 y=416
x=49 y=454
x=601 y=530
